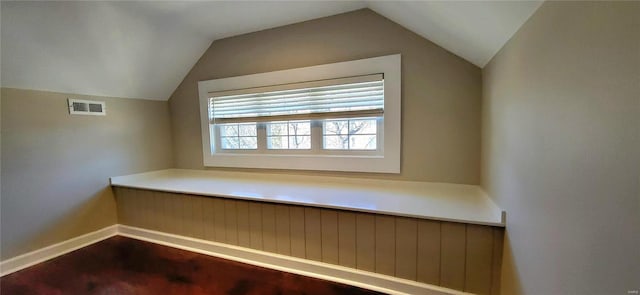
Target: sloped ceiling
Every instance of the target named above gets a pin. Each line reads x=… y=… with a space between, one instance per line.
x=474 y=30
x=144 y=49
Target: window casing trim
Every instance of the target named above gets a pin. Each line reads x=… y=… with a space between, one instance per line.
x=386 y=162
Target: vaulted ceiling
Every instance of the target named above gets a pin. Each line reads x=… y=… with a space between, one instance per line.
x=144 y=49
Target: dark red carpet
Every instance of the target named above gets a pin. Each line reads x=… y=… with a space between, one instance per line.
x=126 y=266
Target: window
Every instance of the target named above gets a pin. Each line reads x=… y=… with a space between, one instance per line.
x=318 y=116
x=238 y=136
x=287 y=135
x=342 y=117
x=357 y=134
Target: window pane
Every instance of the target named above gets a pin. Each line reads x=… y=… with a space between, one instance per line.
x=277 y=142
x=248 y=143
x=300 y=142
x=362 y=142
x=336 y=142
x=300 y=128
x=335 y=127
x=362 y=126
x=229 y=130
x=247 y=129
x=229 y=142
x=276 y=129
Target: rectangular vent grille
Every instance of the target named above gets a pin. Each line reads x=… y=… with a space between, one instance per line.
x=87 y=107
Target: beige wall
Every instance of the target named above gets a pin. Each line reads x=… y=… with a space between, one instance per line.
x=441 y=92
x=56 y=167
x=561 y=149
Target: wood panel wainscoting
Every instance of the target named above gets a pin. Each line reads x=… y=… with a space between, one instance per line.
x=459 y=256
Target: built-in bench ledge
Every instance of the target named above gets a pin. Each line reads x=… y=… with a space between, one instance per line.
x=425 y=200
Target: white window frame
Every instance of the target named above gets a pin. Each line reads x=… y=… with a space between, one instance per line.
x=386 y=162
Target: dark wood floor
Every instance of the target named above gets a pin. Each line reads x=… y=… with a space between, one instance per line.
x=126 y=266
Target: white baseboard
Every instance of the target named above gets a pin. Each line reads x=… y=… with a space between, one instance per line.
x=324 y=271
x=28 y=259
x=320 y=270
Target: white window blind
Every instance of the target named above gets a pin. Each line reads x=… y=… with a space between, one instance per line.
x=361 y=96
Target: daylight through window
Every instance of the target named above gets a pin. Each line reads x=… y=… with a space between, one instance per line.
x=343 y=116
x=334 y=116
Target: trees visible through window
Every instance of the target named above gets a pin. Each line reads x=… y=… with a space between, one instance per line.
x=238 y=136
x=339 y=117
x=358 y=134
x=289 y=135
x=316 y=116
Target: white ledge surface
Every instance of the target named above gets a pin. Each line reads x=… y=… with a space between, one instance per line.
x=439 y=201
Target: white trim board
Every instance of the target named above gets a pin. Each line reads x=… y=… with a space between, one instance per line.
x=425 y=200
x=320 y=270
x=34 y=257
x=386 y=162
x=314 y=269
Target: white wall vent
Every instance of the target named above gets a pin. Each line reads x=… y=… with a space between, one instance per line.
x=87 y=107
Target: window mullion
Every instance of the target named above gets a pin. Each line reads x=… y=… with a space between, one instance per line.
x=316 y=136
x=380 y=134
x=215 y=135
x=261 y=132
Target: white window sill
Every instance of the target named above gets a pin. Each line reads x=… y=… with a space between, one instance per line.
x=439 y=201
x=387 y=161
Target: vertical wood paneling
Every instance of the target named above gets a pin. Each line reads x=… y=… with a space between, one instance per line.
x=313 y=231
x=208 y=219
x=134 y=218
x=385 y=245
x=231 y=222
x=453 y=256
x=406 y=248
x=122 y=205
x=478 y=262
x=168 y=210
x=186 y=205
x=244 y=238
x=496 y=260
x=177 y=205
x=154 y=217
x=170 y=213
x=365 y=242
x=119 y=196
x=139 y=208
x=219 y=220
x=157 y=217
x=133 y=206
x=152 y=212
x=329 y=227
x=347 y=239
x=158 y=199
x=198 y=216
x=428 y=252
x=193 y=226
x=269 y=228
x=296 y=224
x=142 y=208
x=187 y=216
x=283 y=232
x=255 y=225
x=158 y=211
